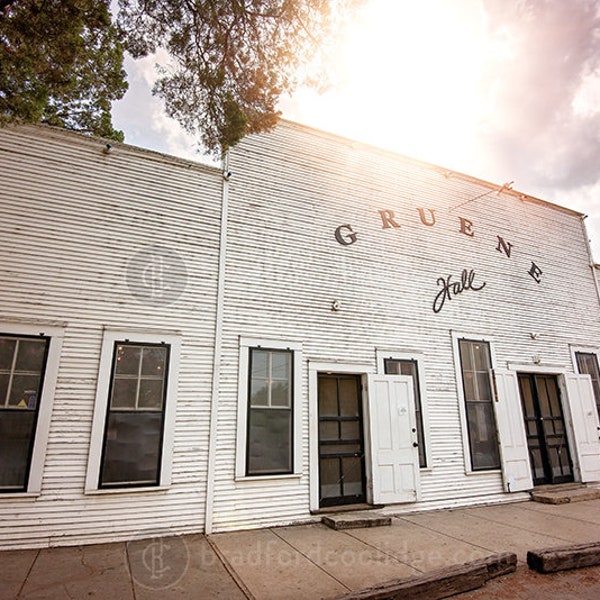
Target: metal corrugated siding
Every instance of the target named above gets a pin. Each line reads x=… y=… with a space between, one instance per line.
x=290 y=189
x=71 y=219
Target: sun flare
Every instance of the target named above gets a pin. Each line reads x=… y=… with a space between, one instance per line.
x=408 y=76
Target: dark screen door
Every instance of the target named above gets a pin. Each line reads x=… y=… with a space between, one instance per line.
x=341 y=444
x=545 y=426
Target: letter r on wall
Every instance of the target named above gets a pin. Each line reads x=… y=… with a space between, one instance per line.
x=387 y=218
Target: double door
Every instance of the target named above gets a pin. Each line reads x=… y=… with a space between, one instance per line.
x=547 y=442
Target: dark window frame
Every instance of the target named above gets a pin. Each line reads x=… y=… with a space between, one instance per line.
x=4 y=409
x=475 y=466
x=144 y=483
x=292 y=394
x=423 y=462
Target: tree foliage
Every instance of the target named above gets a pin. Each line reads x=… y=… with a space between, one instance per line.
x=61 y=63
x=230 y=60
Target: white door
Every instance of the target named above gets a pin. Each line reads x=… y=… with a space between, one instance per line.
x=584 y=419
x=514 y=453
x=393 y=429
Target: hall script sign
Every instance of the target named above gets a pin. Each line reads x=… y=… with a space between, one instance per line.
x=450 y=286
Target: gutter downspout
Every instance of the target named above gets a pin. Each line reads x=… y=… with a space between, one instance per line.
x=216 y=374
x=589 y=251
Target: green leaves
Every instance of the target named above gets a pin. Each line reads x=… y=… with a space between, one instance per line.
x=61 y=63
x=230 y=59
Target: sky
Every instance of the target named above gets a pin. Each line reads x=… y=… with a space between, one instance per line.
x=501 y=90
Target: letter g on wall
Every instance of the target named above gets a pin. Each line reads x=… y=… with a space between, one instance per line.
x=344 y=235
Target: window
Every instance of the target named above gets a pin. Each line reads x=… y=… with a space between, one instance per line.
x=22 y=366
x=268 y=441
x=136 y=408
x=134 y=415
x=587 y=364
x=409 y=367
x=270 y=417
x=475 y=366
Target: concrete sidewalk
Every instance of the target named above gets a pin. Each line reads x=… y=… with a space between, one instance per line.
x=306 y=561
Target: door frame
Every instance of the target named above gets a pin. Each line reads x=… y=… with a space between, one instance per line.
x=314 y=368
x=565 y=402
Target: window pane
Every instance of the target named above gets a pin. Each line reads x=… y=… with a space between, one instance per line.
x=269 y=441
x=280 y=365
x=24 y=391
x=30 y=356
x=16 y=433
x=469 y=385
x=350 y=430
x=482 y=436
x=349 y=397
x=128 y=359
x=466 y=357
x=124 y=393
x=153 y=362
x=353 y=476
x=330 y=478
x=132 y=450
x=484 y=388
x=7 y=351
x=329 y=430
x=259 y=393
x=481 y=355
x=151 y=394
x=280 y=394
x=328 y=404
x=259 y=364
x=392 y=367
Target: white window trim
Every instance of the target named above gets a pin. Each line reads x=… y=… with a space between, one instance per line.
x=462 y=407
x=246 y=343
x=101 y=404
x=382 y=355
x=38 y=457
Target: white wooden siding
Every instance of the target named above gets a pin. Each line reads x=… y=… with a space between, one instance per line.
x=289 y=191
x=72 y=217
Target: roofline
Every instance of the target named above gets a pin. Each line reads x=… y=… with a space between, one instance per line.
x=442 y=170
x=152 y=154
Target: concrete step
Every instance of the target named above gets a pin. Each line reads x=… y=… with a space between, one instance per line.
x=356 y=520
x=563 y=496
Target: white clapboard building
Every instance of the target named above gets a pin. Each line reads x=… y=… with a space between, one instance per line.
x=322 y=324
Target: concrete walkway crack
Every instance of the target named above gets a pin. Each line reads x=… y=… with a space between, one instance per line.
x=230 y=569
x=28 y=573
x=311 y=561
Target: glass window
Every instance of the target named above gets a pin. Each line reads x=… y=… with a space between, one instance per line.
x=483 y=442
x=587 y=363
x=135 y=418
x=22 y=365
x=409 y=367
x=270 y=409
